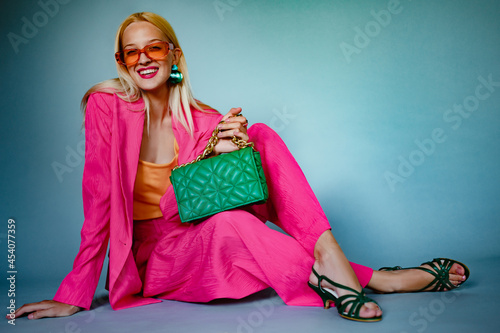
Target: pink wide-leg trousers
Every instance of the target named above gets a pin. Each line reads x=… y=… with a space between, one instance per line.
x=234 y=254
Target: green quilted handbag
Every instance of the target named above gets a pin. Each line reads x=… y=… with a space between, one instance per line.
x=207 y=186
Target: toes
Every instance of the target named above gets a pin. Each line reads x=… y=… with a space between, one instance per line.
x=457 y=269
x=367 y=312
x=457 y=274
x=370 y=310
x=456 y=280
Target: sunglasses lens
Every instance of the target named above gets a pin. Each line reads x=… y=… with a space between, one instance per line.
x=157 y=50
x=130 y=57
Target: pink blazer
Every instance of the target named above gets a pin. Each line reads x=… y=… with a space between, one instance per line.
x=113 y=134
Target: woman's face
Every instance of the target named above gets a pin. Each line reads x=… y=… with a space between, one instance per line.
x=149 y=74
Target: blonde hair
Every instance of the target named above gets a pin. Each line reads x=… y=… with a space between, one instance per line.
x=180 y=95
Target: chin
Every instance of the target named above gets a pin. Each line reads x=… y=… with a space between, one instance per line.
x=150 y=84
x=151 y=88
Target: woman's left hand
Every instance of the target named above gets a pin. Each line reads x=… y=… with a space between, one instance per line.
x=232 y=126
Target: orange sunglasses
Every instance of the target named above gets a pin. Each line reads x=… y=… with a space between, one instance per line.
x=155 y=51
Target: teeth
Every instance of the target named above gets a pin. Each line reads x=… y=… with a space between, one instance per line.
x=148 y=71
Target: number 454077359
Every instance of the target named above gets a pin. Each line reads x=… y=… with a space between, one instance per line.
x=11 y=243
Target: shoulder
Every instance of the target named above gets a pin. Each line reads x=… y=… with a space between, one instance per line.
x=109 y=103
x=109 y=98
x=100 y=99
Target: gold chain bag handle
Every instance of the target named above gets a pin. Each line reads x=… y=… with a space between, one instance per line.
x=212 y=142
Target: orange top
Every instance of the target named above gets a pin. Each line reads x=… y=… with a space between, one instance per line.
x=151 y=182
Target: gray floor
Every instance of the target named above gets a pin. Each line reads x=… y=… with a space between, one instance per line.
x=471 y=308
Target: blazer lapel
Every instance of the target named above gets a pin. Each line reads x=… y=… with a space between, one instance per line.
x=131 y=125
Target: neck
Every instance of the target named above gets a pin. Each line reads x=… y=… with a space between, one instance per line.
x=158 y=108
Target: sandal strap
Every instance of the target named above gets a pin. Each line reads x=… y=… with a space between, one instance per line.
x=335 y=284
x=356 y=300
x=390 y=269
x=441 y=268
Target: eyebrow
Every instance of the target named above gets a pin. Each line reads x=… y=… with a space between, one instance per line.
x=149 y=42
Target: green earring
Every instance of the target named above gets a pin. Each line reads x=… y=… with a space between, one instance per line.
x=175 y=75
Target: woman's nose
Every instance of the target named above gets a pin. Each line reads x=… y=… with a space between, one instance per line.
x=143 y=58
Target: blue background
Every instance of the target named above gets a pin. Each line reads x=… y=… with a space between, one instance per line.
x=348 y=118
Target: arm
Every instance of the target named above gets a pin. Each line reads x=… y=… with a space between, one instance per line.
x=77 y=289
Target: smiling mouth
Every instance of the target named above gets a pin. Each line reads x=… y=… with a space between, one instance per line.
x=148 y=71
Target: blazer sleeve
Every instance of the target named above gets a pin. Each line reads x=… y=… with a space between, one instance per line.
x=79 y=286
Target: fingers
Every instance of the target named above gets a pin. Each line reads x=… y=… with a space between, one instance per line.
x=228 y=130
x=50 y=312
x=240 y=121
x=233 y=126
x=27 y=308
x=47 y=308
x=233 y=112
x=230 y=117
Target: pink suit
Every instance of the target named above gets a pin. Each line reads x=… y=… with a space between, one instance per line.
x=230 y=255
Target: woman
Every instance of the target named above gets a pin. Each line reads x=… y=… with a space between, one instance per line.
x=141 y=125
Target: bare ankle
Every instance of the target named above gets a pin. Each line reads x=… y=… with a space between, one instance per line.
x=386 y=282
x=326 y=247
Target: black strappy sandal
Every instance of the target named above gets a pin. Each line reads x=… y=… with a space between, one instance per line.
x=356 y=299
x=441 y=268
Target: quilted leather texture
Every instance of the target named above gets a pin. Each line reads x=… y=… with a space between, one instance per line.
x=219 y=183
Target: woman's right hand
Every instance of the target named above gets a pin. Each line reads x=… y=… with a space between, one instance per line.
x=47 y=308
x=232 y=126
